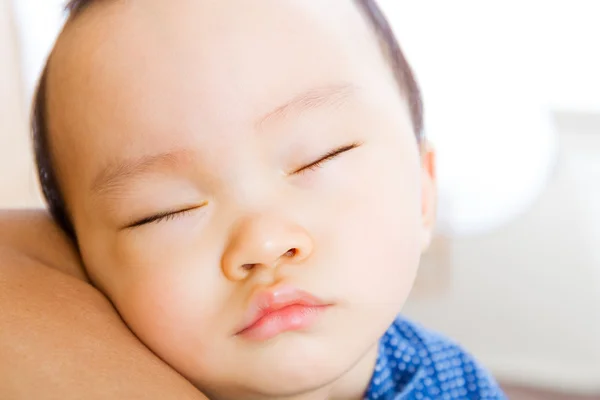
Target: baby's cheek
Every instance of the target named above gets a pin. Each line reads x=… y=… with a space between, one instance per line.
x=379 y=235
x=385 y=257
x=173 y=313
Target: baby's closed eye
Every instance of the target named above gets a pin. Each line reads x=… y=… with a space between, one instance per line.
x=165 y=216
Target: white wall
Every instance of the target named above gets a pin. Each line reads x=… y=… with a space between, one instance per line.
x=16 y=171
x=37 y=25
x=554 y=43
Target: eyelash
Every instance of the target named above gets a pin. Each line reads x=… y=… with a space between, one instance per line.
x=171 y=215
x=162 y=217
x=327 y=157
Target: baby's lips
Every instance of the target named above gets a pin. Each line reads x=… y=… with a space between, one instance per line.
x=273 y=299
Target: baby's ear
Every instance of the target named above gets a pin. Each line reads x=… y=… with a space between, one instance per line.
x=428 y=193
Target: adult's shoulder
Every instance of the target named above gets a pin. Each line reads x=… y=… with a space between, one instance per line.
x=33 y=234
x=50 y=317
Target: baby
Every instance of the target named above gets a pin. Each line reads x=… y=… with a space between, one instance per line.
x=248 y=183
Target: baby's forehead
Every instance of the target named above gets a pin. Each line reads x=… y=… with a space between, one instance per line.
x=138 y=38
x=128 y=66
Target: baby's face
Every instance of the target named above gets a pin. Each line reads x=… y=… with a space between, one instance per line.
x=220 y=158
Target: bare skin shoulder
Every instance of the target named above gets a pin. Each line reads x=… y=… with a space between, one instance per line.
x=59 y=337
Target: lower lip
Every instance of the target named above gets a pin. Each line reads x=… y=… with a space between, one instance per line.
x=291 y=318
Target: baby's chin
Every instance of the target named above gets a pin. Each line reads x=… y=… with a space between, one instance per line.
x=292 y=367
x=260 y=385
x=270 y=388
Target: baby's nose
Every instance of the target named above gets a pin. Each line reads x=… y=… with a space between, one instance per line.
x=264 y=241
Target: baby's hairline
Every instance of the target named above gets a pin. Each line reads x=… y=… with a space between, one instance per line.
x=73 y=7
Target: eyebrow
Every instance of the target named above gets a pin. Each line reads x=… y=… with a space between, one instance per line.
x=113 y=177
x=332 y=95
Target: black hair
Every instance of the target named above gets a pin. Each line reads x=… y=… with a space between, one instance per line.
x=43 y=155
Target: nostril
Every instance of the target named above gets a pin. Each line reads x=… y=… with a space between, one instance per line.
x=248 y=267
x=291 y=253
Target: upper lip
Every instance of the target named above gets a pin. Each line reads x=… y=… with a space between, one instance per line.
x=268 y=301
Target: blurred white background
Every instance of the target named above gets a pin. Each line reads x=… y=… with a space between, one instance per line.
x=512 y=101
x=520 y=80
